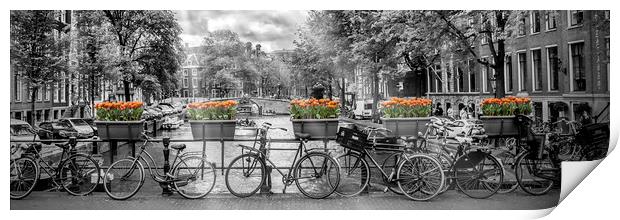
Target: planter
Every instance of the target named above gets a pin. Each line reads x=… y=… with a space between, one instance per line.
x=317 y=128
x=213 y=129
x=120 y=130
x=500 y=125
x=405 y=126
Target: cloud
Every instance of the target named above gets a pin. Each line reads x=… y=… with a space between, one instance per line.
x=274 y=30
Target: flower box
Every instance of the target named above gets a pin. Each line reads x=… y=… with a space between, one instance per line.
x=120 y=130
x=317 y=128
x=401 y=127
x=500 y=125
x=213 y=129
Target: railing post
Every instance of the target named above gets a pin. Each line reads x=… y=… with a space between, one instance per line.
x=266 y=187
x=166 y=141
x=73 y=151
x=113 y=148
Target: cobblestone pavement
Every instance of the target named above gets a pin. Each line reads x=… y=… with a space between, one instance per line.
x=373 y=200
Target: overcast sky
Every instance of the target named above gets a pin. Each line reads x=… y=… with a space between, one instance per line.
x=274 y=30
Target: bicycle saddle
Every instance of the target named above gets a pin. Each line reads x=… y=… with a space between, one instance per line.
x=62 y=145
x=302 y=135
x=177 y=146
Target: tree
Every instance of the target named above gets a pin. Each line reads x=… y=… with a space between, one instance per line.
x=37 y=47
x=96 y=54
x=494 y=27
x=148 y=43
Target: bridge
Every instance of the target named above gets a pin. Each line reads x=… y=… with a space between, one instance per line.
x=258 y=105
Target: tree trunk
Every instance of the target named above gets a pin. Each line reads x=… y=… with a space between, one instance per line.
x=500 y=91
x=375 y=96
x=33 y=97
x=126 y=87
x=342 y=95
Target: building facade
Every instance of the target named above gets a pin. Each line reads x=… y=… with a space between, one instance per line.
x=560 y=59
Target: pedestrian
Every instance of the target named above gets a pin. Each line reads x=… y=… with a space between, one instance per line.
x=450 y=112
x=438 y=110
x=463 y=113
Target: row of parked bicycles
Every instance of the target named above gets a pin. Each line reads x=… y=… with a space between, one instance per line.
x=419 y=168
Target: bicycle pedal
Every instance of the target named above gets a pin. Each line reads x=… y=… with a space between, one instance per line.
x=386 y=189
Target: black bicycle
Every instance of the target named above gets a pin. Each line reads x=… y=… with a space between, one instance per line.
x=314 y=171
x=405 y=171
x=76 y=173
x=191 y=175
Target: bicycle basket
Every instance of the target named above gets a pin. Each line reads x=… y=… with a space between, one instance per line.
x=594 y=135
x=352 y=139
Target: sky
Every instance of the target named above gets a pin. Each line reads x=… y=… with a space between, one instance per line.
x=274 y=30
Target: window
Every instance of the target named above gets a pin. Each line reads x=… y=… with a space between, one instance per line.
x=55 y=92
x=185 y=83
x=553 y=67
x=194 y=82
x=522 y=27
x=522 y=70
x=472 y=75
x=185 y=93
x=18 y=88
x=550 y=18
x=194 y=72
x=577 y=67
x=185 y=72
x=431 y=81
x=575 y=18
x=39 y=94
x=46 y=94
x=63 y=87
x=535 y=21
x=460 y=77
x=437 y=74
x=508 y=73
x=537 y=79
x=608 y=58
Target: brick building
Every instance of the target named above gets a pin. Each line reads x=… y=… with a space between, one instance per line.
x=560 y=59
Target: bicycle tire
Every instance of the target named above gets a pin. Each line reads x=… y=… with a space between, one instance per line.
x=465 y=168
x=432 y=177
x=446 y=164
x=32 y=166
x=203 y=164
x=524 y=162
x=109 y=183
x=508 y=162
x=353 y=171
x=247 y=171
x=85 y=184
x=326 y=165
x=391 y=162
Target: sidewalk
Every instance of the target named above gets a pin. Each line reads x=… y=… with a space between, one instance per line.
x=447 y=201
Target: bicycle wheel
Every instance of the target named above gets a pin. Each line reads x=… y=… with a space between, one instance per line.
x=478 y=174
x=536 y=176
x=24 y=176
x=123 y=179
x=76 y=173
x=194 y=177
x=507 y=159
x=354 y=174
x=245 y=175
x=446 y=164
x=316 y=174
x=420 y=177
x=390 y=166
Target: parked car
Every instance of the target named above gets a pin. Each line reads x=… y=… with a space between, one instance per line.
x=362 y=109
x=463 y=127
x=82 y=127
x=57 y=130
x=22 y=131
x=173 y=108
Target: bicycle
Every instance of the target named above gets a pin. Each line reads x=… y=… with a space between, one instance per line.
x=538 y=166
x=471 y=166
x=417 y=176
x=76 y=173
x=192 y=176
x=314 y=173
